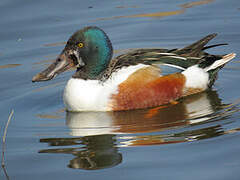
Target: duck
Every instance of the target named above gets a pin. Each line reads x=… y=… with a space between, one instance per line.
x=138 y=79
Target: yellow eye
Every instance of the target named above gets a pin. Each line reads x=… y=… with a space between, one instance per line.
x=80 y=45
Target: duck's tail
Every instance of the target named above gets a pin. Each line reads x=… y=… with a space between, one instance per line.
x=196 y=49
x=213 y=65
x=203 y=75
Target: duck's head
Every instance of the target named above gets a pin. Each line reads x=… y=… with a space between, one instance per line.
x=89 y=50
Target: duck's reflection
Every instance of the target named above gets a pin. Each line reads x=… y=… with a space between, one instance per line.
x=93 y=152
x=96 y=146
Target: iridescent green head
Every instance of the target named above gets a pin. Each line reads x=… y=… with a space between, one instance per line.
x=93 y=48
x=88 y=49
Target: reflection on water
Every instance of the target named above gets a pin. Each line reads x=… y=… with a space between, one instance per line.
x=196 y=3
x=161 y=14
x=185 y=136
x=9 y=66
x=98 y=152
x=155 y=15
x=99 y=135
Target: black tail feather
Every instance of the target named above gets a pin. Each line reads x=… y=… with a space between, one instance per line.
x=196 y=48
x=215 y=45
x=202 y=42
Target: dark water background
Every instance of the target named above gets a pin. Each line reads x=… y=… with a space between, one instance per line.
x=198 y=138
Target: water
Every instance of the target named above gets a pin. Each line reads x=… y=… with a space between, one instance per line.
x=197 y=138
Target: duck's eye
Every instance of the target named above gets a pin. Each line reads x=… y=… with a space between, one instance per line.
x=58 y=59
x=80 y=45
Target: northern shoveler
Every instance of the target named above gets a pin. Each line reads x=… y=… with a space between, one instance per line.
x=134 y=80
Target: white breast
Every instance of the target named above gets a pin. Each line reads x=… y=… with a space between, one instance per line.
x=92 y=95
x=83 y=95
